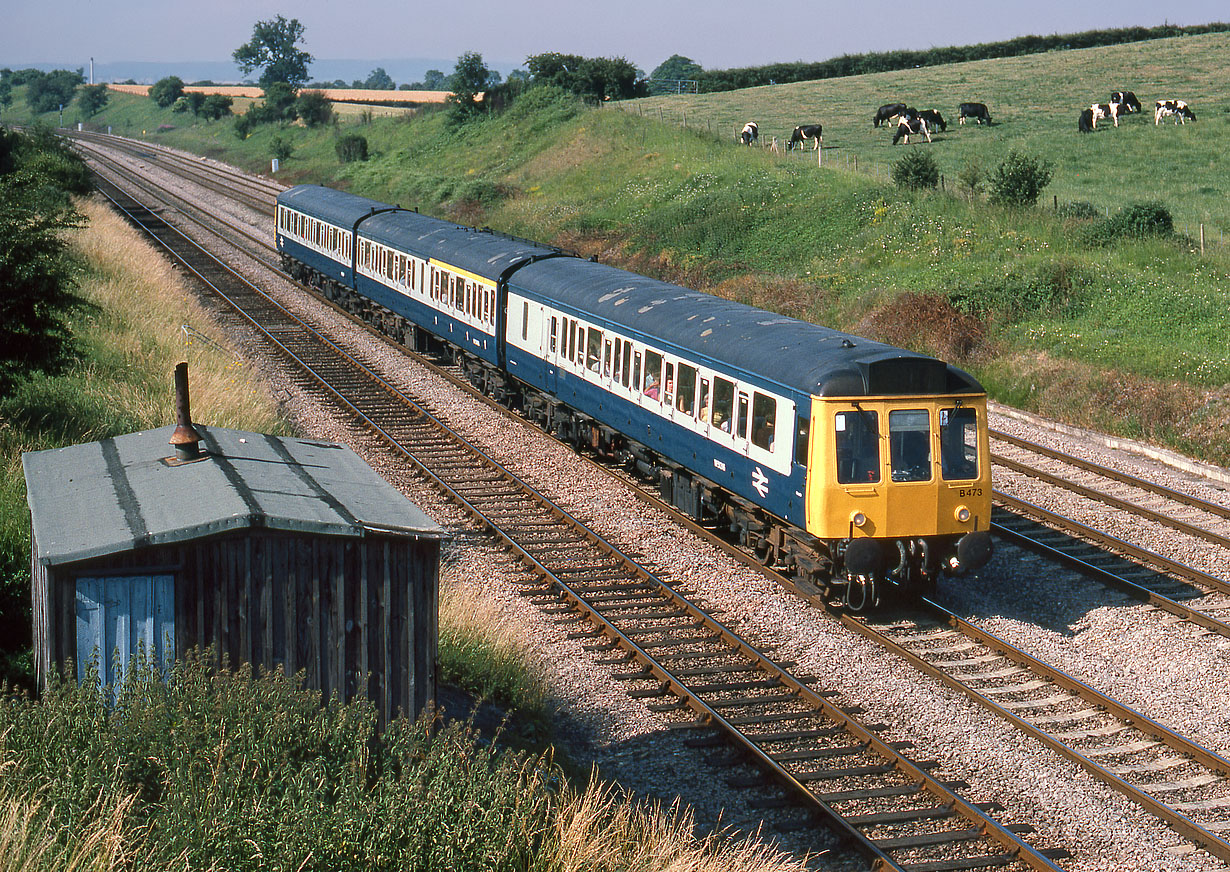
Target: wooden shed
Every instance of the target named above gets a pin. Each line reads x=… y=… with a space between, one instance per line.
x=276 y=551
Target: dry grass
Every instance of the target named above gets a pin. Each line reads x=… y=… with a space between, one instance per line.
x=147 y=315
x=351 y=95
x=29 y=841
x=602 y=829
x=926 y=322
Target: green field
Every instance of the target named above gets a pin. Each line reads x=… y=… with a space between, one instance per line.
x=1034 y=101
x=1054 y=312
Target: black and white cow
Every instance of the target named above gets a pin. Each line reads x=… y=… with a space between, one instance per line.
x=804 y=132
x=910 y=123
x=1085 y=125
x=750 y=133
x=1127 y=100
x=934 y=119
x=977 y=111
x=1177 y=109
x=1105 y=110
x=887 y=112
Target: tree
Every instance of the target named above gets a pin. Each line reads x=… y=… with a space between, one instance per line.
x=668 y=76
x=470 y=79
x=36 y=269
x=6 y=95
x=92 y=99
x=272 y=48
x=314 y=108
x=215 y=106
x=47 y=92
x=553 y=68
x=435 y=80
x=595 y=79
x=379 y=80
x=166 y=91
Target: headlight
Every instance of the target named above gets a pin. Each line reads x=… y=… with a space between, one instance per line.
x=858 y=519
x=961 y=514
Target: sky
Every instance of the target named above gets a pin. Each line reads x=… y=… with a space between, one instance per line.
x=716 y=34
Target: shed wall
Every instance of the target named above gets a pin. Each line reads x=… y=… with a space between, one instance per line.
x=337 y=608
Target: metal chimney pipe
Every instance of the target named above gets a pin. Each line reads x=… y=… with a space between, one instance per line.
x=185 y=438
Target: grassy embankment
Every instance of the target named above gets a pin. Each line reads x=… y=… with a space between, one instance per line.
x=226 y=771
x=1122 y=334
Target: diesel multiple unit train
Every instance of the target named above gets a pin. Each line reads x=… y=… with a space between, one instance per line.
x=861 y=467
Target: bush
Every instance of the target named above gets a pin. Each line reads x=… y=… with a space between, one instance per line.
x=971 y=178
x=215 y=106
x=1019 y=179
x=1137 y=220
x=281 y=148
x=314 y=108
x=1078 y=210
x=351 y=147
x=917 y=171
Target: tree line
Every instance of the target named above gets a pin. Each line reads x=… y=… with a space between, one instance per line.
x=878 y=62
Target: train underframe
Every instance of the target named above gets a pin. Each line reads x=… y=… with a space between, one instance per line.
x=857 y=573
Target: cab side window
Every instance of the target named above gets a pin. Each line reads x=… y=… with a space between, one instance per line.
x=858 y=447
x=958 y=444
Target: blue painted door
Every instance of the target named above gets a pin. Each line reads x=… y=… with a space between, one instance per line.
x=119 y=615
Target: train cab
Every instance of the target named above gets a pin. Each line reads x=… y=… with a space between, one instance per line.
x=901 y=486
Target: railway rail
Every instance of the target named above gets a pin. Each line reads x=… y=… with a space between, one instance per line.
x=828 y=763
x=1195 y=785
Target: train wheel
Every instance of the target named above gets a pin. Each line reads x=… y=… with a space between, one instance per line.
x=862 y=593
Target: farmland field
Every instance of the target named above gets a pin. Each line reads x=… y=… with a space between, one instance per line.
x=1034 y=102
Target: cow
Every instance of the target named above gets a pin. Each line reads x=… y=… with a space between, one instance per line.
x=1127 y=100
x=804 y=132
x=934 y=119
x=1085 y=125
x=1105 y=110
x=887 y=112
x=750 y=133
x=1177 y=109
x=910 y=124
x=977 y=111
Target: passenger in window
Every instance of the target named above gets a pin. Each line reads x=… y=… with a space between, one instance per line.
x=651 y=386
x=721 y=421
x=669 y=396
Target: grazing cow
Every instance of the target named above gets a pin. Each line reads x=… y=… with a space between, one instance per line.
x=887 y=112
x=910 y=124
x=1127 y=100
x=977 y=111
x=750 y=133
x=1173 y=108
x=1085 y=125
x=1105 y=110
x=934 y=119
x=804 y=132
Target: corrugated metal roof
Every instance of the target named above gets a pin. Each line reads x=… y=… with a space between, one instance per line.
x=127 y=492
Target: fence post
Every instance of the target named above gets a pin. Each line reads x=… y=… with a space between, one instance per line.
x=1202 y=238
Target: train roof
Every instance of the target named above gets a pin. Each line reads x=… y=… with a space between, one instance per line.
x=480 y=252
x=798 y=354
x=335 y=207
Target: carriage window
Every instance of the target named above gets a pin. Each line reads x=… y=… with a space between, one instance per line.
x=628 y=363
x=668 y=387
x=703 y=414
x=636 y=370
x=741 y=424
x=619 y=360
x=606 y=359
x=909 y=438
x=593 y=350
x=653 y=374
x=858 y=447
x=802 y=434
x=687 y=389
x=959 y=443
x=525 y=324
x=723 y=403
x=554 y=332
x=764 y=421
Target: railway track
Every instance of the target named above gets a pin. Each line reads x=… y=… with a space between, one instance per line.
x=826 y=763
x=1182 y=769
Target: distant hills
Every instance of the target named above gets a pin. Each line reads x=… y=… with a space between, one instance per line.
x=403 y=70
